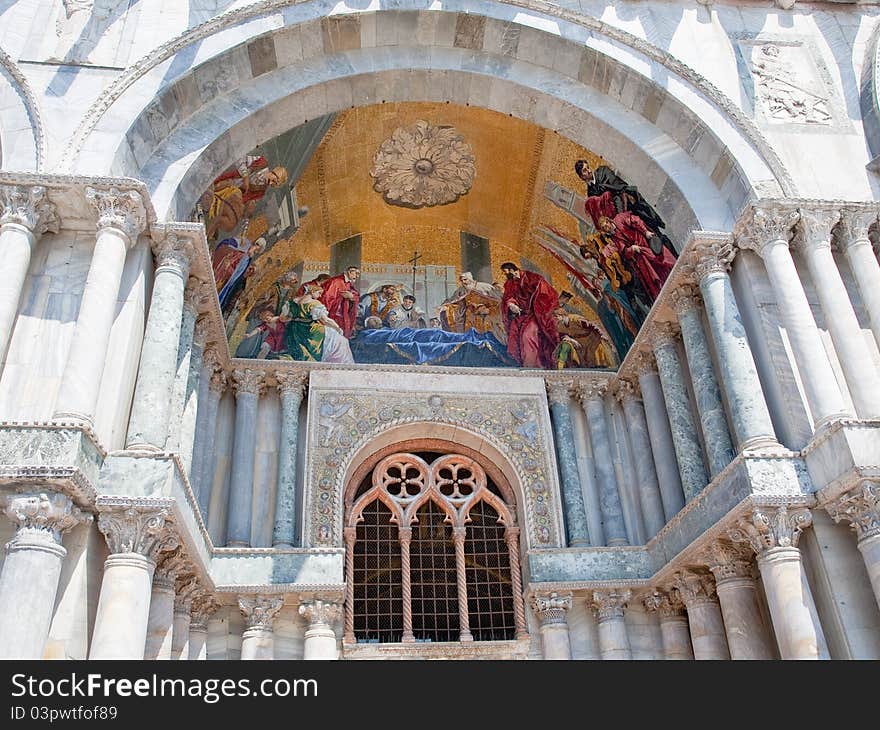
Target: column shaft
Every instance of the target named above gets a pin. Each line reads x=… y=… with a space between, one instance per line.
x=863 y=263
x=180 y=638
x=198 y=642
x=572 y=496
x=676 y=637
x=707 y=629
x=649 y=488
x=550 y=610
x=257 y=642
x=320 y=638
x=243 y=456
x=123 y=608
x=283 y=534
x=206 y=429
x=870 y=549
x=747 y=636
x=160 y=621
x=16 y=242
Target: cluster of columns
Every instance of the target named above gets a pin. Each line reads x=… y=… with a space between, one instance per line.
x=712 y=610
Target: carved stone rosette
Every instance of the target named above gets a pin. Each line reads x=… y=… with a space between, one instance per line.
x=28 y=206
x=320 y=613
x=122 y=210
x=550 y=608
x=861 y=508
x=771 y=527
x=260 y=611
x=135 y=529
x=42 y=514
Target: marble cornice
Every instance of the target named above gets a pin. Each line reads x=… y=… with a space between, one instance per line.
x=326 y=591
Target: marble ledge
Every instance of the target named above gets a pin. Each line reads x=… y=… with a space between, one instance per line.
x=843 y=454
x=292 y=570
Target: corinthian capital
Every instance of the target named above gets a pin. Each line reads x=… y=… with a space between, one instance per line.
x=171 y=251
x=853 y=228
x=120 y=209
x=292 y=382
x=558 y=391
x=710 y=253
x=694 y=586
x=769 y=224
x=645 y=363
x=667 y=603
x=169 y=567
x=185 y=591
x=861 y=508
x=550 y=608
x=248 y=381
x=771 y=527
x=133 y=529
x=729 y=560
x=814 y=227
x=627 y=391
x=51 y=514
x=610 y=604
x=320 y=612
x=203 y=607
x=685 y=298
x=218 y=382
x=28 y=206
x=587 y=390
x=664 y=334
x=260 y=611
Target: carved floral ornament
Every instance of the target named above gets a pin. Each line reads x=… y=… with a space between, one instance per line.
x=423 y=165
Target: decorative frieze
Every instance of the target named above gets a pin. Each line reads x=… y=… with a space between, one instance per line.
x=28 y=206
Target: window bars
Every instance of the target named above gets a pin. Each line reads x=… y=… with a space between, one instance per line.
x=432 y=554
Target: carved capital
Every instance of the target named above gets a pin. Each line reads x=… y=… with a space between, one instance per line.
x=667 y=603
x=169 y=567
x=292 y=383
x=694 y=587
x=197 y=296
x=853 y=228
x=627 y=391
x=185 y=590
x=44 y=513
x=259 y=611
x=204 y=606
x=664 y=334
x=710 y=255
x=558 y=391
x=770 y=224
x=122 y=210
x=172 y=252
x=550 y=608
x=142 y=530
x=587 y=390
x=610 y=604
x=729 y=560
x=645 y=363
x=28 y=206
x=248 y=381
x=814 y=227
x=771 y=527
x=320 y=612
x=861 y=508
x=218 y=382
x=685 y=298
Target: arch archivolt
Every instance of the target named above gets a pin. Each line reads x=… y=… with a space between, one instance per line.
x=507 y=436
x=22 y=141
x=532 y=60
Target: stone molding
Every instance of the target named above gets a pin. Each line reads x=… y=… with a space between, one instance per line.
x=320 y=612
x=50 y=513
x=120 y=209
x=28 y=206
x=131 y=528
x=860 y=507
x=259 y=611
x=610 y=604
x=769 y=527
x=550 y=608
x=248 y=381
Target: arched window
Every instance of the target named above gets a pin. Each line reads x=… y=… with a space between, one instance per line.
x=432 y=554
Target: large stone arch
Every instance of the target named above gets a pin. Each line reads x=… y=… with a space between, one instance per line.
x=678 y=137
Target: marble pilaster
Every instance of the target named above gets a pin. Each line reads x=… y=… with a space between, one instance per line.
x=249 y=385
x=26 y=213
x=613 y=639
x=121 y=218
x=697 y=591
x=135 y=535
x=320 y=638
x=559 y=395
x=591 y=394
x=292 y=388
x=258 y=639
x=660 y=435
x=674 y=630
x=738 y=374
x=688 y=451
x=31 y=570
x=773 y=533
x=550 y=608
x=716 y=435
x=853 y=239
x=151 y=407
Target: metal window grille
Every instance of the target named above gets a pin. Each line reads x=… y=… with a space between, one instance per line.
x=434 y=588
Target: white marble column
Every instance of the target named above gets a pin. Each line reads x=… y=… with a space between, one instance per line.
x=135 y=535
x=711 y=256
x=747 y=635
x=249 y=385
x=26 y=213
x=215 y=381
x=697 y=591
x=637 y=427
x=853 y=240
x=688 y=451
x=591 y=394
x=121 y=218
x=151 y=406
x=660 y=434
x=160 y=623
x=204 y=606
x=258 y=640
x=613 y=639
x=861 y=508
x=320 y=638
x=769 y=237
x=31 y=570
x=674 y=630
x=716 y=435
x=185 y=590
x=840 y=318
x=550 y=608
x=773 y=534
x=559 y=396
x=292 y=386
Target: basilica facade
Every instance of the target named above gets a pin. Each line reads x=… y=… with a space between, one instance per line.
x=488 y=329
